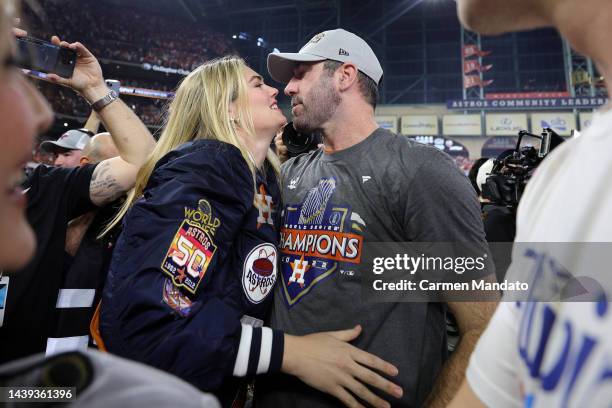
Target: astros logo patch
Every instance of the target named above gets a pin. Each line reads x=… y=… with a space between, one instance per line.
x=259 y=272
x=189 y=256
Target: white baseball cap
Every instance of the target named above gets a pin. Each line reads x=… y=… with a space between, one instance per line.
x=338 y=45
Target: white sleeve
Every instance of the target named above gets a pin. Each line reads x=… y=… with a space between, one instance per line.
x=492 y=372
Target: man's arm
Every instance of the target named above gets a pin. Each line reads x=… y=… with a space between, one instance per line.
x=466 y=398
x=472 y=319
x=112 y=177
x=93 y=122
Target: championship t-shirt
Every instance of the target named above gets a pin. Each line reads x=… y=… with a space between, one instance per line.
x=384 y=189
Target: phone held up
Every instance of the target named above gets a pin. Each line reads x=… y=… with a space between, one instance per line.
x=45 y=57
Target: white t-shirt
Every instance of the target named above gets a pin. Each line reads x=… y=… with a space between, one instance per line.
x=556 y=354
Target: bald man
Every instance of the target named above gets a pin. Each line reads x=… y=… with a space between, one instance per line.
x=100 y=147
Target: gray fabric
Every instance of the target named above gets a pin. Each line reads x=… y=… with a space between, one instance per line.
x=402 y=191
x=117 y=382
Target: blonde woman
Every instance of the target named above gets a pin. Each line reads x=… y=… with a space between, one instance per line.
x=193 y=270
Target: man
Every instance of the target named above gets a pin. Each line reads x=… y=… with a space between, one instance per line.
x=86 y=261
x=553 y=354
x=366 y=185
x=57 y=195
x=68 y=149
x=100 y=147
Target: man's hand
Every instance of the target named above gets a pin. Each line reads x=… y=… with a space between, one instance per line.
x=327 y=362
x=87 y=78
x=281 y=149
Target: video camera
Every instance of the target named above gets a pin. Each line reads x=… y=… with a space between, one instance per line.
x=298 y=143
x=511 y=172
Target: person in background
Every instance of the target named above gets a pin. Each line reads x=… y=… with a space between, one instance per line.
x=86 y=260
x=100 y=380
x=68 y=148
x=56 y=195
x=538 y=352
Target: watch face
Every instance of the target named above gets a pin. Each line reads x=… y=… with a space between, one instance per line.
x=114 y=94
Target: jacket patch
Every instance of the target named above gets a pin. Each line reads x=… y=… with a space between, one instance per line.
x=176 y=300
x=259 y=272
x=189 y=256
x=265 y=207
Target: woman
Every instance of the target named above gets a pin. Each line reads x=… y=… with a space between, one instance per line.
x=23 y=114
x=194 y=268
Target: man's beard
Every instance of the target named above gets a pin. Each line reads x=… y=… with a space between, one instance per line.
x=318 y=106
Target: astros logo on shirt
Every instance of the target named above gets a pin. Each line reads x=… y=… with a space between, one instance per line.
x=316 y=236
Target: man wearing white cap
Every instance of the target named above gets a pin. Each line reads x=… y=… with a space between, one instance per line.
x=366 y=185
x=68 y=149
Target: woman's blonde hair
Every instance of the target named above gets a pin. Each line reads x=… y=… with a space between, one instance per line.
x=201 y=110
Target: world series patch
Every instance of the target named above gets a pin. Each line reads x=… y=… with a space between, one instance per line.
x=189 y=256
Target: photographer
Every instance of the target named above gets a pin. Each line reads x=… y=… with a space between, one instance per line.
x=57 y=195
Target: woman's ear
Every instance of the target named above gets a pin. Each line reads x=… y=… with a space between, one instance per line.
x=232 y=111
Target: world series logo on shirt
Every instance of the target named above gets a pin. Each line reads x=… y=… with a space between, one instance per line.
x=189 y=256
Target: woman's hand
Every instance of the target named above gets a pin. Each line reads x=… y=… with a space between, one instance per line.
x=327 y=362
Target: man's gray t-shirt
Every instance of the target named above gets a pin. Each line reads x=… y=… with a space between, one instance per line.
x=385 y=189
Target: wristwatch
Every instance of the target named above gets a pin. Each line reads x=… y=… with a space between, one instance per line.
x=110 y=97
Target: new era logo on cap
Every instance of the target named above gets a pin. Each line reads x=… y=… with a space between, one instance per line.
x=337 y=45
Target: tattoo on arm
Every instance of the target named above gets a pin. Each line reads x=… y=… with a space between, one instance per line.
x=104 y=188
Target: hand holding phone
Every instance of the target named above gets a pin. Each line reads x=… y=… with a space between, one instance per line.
x=45 y=57
x=87 y=77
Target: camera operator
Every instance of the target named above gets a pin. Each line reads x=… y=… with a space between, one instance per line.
x=57 y=195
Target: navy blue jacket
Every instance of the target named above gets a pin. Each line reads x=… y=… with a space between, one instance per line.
x=193 y=271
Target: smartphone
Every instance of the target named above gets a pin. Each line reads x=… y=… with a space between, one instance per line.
x=114 y=85
x=42 y=56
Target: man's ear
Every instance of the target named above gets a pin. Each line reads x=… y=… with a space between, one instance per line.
x=348 y=76
x=84 y=160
